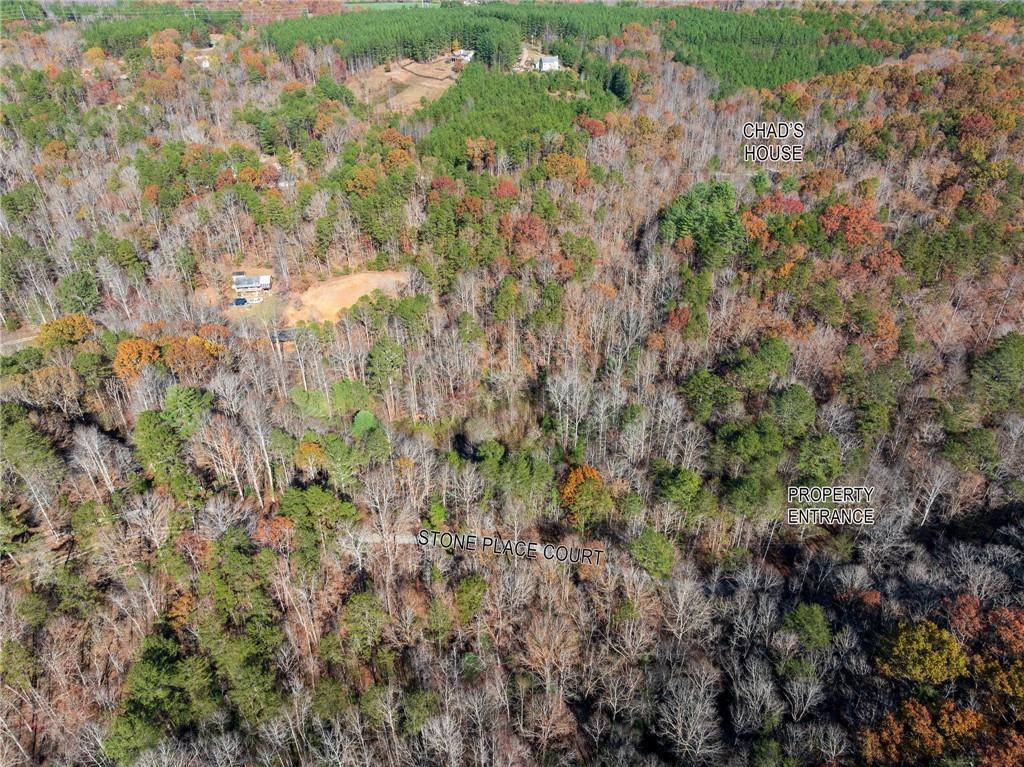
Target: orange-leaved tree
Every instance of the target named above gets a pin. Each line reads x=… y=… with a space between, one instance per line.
x=133 y=354
x=585 y=496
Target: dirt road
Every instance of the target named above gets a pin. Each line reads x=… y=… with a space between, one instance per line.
x=11 y=342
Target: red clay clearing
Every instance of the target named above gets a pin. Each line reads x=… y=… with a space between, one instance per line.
x=324 y=300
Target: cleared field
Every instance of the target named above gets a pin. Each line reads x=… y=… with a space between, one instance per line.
x=401 y=88
x=324 y=300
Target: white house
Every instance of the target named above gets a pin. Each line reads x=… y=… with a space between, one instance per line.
x=462 y=55
x=548 y=64
x=244 y=283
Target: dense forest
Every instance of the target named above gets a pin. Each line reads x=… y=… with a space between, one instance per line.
x=595 y=327
x=761 y=49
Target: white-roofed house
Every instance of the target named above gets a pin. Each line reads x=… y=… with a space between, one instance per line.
x=248 y=283
x=548 y=64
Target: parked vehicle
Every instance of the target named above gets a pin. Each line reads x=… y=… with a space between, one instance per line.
x=240 y=302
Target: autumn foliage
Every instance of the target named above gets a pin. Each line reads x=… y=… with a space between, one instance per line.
x=69 y=329
x=576 y=477
x=567 y=167
x=598 y=326
x=854 y=222
x=132 y=356
x=192 y=358
x=506 y=190
x=988 y=646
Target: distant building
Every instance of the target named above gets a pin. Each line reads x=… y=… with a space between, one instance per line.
x=462 y=55
x=548 y=64
x=245 y=283
x=286 y=180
